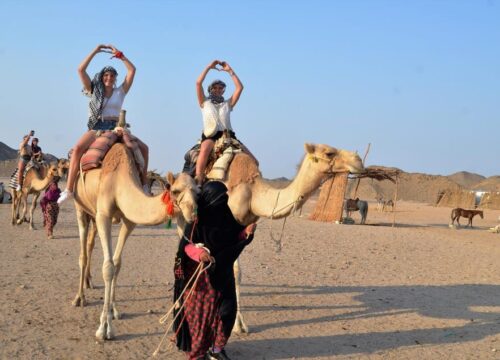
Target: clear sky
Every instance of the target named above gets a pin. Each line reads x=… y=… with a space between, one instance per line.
x=419 y=80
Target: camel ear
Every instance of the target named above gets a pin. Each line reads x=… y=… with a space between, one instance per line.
x=170 y=178
x=309 y=148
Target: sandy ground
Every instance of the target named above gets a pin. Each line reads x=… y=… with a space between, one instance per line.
x=417 y=291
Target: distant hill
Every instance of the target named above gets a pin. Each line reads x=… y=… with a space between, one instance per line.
x=6 y=152
x=466 y=179
x=489 y=184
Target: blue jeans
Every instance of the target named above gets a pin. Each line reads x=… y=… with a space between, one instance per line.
x=105 y=125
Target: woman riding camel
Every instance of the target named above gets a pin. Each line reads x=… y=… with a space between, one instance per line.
x=36 y=151
x=24 y=158
x=216 y=113
x=104 y=109
x=209 y=306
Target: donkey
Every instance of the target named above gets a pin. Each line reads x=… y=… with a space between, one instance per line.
x=355 y=205
x=469 y=214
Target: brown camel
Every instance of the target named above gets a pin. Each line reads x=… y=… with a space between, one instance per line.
x=251 y=197
x=114 y=192
x=35 y=181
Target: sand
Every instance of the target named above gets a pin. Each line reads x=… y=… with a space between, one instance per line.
x=417 y=291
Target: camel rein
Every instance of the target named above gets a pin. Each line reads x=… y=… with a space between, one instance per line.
x=278 y=242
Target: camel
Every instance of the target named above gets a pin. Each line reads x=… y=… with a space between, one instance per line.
x=35 y=181
x=114 y=192
x=251 y=197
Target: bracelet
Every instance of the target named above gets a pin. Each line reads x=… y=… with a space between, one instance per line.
x=231 y=73
x=118 y=55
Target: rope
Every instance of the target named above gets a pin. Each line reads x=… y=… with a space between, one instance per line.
x=196 y=276
x=278 y=242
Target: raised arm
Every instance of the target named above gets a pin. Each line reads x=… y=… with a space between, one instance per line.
x=82 y=69
x=129 y=79
x=26 y=139
x=201 y=78
x=237 y=83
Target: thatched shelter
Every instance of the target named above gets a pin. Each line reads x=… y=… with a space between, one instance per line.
x=490 y=200
x=330 y=203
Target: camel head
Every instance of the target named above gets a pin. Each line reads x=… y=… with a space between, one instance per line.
x=330 y=160
x=184 y=195
x=62 y=167
x=52 y=171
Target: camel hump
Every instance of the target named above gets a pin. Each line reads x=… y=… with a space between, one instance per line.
x=117 y=155
x=243 y=169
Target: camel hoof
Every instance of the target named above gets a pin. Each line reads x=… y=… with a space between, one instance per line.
x=88 y=283
x=19 y=222
x=79 y=301
x=99 y=334
x=116 y=314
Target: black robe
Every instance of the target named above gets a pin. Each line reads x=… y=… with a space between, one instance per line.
x=217 y=230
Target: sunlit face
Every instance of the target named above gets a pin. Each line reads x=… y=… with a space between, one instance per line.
x=109 y=78
x=218 y=90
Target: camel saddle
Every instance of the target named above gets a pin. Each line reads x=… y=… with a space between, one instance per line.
x=96 y=152
x=225 y=149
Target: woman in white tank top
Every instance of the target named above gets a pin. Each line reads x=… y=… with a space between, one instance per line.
x=215 y=111
x=105 y=105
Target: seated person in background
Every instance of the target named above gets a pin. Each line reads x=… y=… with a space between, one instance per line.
x=36 y=151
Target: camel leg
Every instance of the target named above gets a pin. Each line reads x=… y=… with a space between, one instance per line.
x=83 y=225
x=32 y=209
x=15 y=206
x=90 y=248
x=239 y=324
x=105 y=330
x=24 y=201
x=125 y=231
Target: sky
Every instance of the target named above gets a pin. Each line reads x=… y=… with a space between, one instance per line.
x=418 y=80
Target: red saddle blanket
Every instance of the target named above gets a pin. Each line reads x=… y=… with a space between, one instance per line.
x=94 y=156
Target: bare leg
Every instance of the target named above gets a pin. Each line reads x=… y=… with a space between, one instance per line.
x=20 y=173
x=205 y=149
x=74 y=164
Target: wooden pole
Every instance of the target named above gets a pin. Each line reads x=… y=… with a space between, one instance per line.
x=394 y=201
x=359 y=180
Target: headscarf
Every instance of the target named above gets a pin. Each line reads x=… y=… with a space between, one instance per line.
x=97 y=96
x=214 y=98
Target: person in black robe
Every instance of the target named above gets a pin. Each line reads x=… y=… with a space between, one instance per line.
x=204 y=325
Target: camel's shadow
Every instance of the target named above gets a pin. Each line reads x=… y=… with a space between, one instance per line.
x=472 y=304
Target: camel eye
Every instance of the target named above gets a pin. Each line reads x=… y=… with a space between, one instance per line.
x=176 y=192
x=330 y=154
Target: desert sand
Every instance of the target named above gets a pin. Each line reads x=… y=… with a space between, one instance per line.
x=419 y=290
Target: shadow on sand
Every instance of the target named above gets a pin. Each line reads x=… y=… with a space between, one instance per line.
x=454 y=302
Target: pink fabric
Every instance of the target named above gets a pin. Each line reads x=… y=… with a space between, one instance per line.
x=193 y=252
